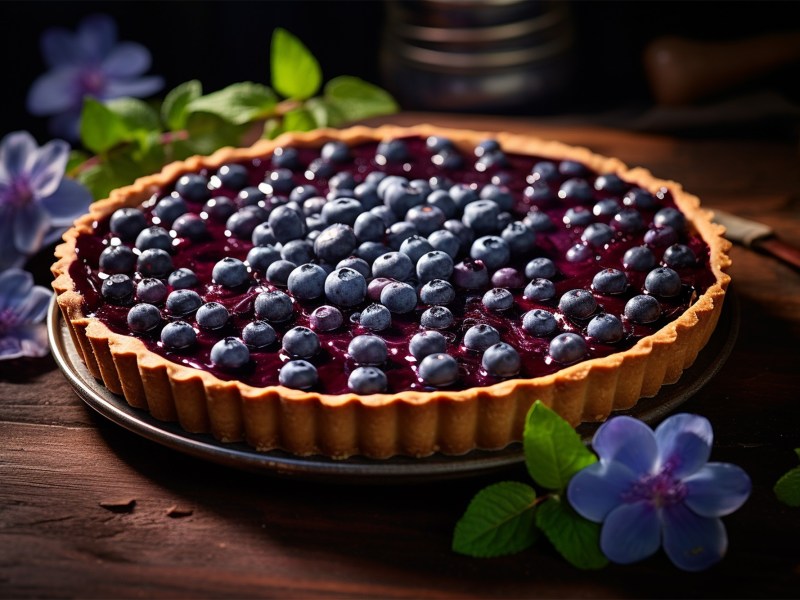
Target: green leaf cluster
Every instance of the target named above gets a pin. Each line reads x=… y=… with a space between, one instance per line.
x=787 y=488
x=508 y=517
x=127 y=138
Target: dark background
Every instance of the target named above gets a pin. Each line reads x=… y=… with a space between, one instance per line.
x=221 y=42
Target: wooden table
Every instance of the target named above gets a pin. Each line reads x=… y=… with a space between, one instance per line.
x=248 y=535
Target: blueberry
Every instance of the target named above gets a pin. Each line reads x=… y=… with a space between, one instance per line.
x=607 y=207
x=127 y=223
x=597 y=235
x=486 y=146
x=154 y=237
x=326 y=318
x=508 y=277
x=481 y=217
x=183 y=278
x=375 y=317
x=540 y=268
x=470 y=274
x=335 y=151
x=177 y=335
x=491 y=160
x=501 y=360
x=302 y=193
x=605 y=328
x=577 y=303
x=438 y=370
x=278 y=272
x=539 y=323
x=341 y=210
x=143 y=317
x=670 y=216
x=251 y=196
x=285 y=158
x=427 y=342
x=232 y=176
x=230 y=272
x=343 y=180
x=437 y=292
x=189 y=226
x=464 y=234
x=183 y=302
x=307 y=281
x=151 y=290
x=320 y=168
x=579 y=252
x=262 y=235
x=480 y=337
x=663 y=281
x=393 y=265
x=660 y=236
x=367 y=194
x=610 y=182
x=336 y=242
x=274 y=306
x=298 y=252
x=398 y=232
x=538 y=221
x=426 y=218
x=545 y=170
x=244 y=221
x=402 y=197
x=445 y=241
x=117 y=259
x=259 y=258
x=368 y=350
x=345 y=287
x=399 y=297
x=212 y=315
x=442 y=200
x=610 y=281
x=679 y=256
x=371 y=251
x=385 y=182
x=279 y=181
x=639 y=258
x=154 y=262
x=385 y=214
x=300 y=342
x=498 y=299
x=219 y=208
x=168 y=209
x=540 y=289
x=357 y=264
x=436 y=317
x=434 y=265
x=298 y=374
x=578 y=216
x=391 y=152
x=576 y=189
x=628 y=220
x=313 y=206
x=258 y=334
x=642 y=309
x=492 y=250
x=539 y=194
x=287 y=224
x=464 y=194
x=498 y=194
x=230 y=353
x=367 y=380
x=567 y=348
x=369 y=227
x=640 y=198
x=193 y=187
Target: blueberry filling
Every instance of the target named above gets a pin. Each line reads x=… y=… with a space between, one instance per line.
x=469 y=266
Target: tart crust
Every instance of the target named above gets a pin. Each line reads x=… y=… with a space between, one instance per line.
x=410 y=423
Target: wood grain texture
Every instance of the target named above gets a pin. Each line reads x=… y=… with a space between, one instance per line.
x=253 y=536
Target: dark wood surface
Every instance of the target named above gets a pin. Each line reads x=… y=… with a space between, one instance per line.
x=64 y=469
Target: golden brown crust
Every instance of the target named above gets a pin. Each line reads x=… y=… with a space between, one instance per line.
x=382 y=425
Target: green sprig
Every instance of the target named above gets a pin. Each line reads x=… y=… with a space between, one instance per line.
x=127 y=138
x=508 y=517
x=787 y=488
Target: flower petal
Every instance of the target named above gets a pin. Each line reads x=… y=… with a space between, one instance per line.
x=48 y=168
x=127 y=59
x=15 y=284
x=58 y=47
x=692 y=542
x=31 y=223
x=684 y=443
x=34 y=308
x=55 y=91
x=66 y=125
x=631 y=532
x=17 y=153
x=135 y=88
x=96 y=37
x=716 y=490
x=25 y=341
x=10 y=257
x=629 y=441
x=67 y=203
x=596 y=490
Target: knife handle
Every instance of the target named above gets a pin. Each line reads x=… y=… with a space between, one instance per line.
x=779 y=249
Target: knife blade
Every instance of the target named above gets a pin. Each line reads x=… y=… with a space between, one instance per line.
x=757 y=236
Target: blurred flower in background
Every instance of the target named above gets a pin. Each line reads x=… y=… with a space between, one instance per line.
x=37 y=203
x=88 y=62
x=23 y=307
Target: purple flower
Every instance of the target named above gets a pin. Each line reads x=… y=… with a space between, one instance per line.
x=88 y=62
x=653 y=488
x=23 y=306
x=36 y=202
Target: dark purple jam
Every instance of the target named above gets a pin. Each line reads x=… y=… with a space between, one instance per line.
x=513 y=173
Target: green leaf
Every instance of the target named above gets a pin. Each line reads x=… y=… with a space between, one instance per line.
x=209 y=132
x=239 y=103
x=787 y=488
x=356 y=99
x=101 y=128
x=299 y=119
x=499 y=520
x=295 y=72
x=136 y=115
x=76 y=160
x=553 y=449
x=325 y=113
x=575 y=538
x=174 y=108
x=272 y=129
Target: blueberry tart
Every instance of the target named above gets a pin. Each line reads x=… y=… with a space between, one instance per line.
x=390 y=291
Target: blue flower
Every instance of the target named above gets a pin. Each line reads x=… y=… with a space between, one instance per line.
x=37 y=203
x=652 y=488
x=89 y=62
x=23 y=307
